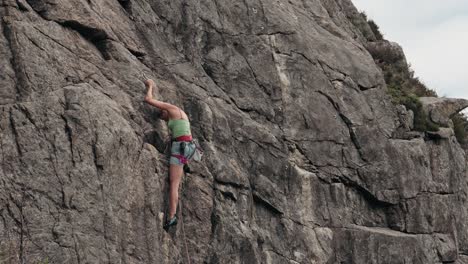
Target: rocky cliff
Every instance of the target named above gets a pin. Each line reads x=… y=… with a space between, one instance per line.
x=306 y=159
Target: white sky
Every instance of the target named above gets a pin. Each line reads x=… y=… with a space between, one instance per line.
x=434 y=36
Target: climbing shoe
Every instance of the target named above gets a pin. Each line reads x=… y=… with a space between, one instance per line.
x=187 y=169
x=170 y=222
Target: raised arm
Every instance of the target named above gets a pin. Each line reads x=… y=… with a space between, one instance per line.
x=150 y=100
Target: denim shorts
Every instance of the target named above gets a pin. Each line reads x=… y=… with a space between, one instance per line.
x=176 y=150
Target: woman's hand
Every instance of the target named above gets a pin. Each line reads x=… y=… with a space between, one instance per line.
x=149 y=93
x=149 y=83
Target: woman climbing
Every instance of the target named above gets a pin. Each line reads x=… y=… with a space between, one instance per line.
x=181 y=148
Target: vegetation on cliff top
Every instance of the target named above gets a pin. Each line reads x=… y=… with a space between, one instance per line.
x=460 y=124
x=403 y=86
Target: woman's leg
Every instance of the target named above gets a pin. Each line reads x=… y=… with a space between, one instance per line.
x=175 y=175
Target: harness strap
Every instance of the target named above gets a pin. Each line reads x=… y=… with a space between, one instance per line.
x=197 y=148
x=186 y=138
x=181 y=158
x=180 y=112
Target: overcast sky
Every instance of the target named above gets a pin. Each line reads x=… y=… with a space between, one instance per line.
x=434 y=36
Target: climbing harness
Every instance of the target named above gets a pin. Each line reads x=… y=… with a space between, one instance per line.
x=181 y=158
x=184 y=157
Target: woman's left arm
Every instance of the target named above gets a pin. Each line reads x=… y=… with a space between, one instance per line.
x=159 y=104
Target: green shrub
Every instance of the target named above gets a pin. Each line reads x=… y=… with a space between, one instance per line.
x=412 y=102
x=406 y=89
x=384 y=54
x=367 y=27
x=421 y=120
x=359 y=20
x=375 y=29
x=363 y=15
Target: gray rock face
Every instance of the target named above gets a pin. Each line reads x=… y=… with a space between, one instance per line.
x=301 y=161
x=440 y=110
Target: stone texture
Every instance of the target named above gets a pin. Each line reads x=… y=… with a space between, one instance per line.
x=304 y=162
x=440 y=110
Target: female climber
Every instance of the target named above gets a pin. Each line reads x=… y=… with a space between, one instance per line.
x=181 y=148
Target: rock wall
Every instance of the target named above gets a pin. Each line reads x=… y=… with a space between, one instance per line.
x=305 y=156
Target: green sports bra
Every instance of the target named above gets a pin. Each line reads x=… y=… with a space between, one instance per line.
x=179 y=127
